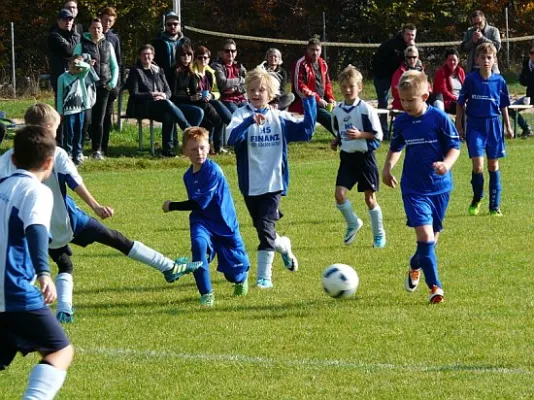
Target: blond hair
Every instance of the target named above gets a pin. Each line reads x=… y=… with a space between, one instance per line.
x=195 y=133
x=486 y=48
x=41 y=114
x=350 y=74
x=415 y=81
x=266 y=78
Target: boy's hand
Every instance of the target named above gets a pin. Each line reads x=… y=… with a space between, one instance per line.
x=353 y=133
x=259 y=119
x=103 y=211
x=165 y=206
x=334 y=144
x=509 y=132
x=460 y=130
x=440 y=167
x=48 y=289
x=307 y=92
x=389 y=179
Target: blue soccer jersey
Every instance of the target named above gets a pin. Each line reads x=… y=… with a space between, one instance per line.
x=24 y=202
x=261 y=150
x=208 y=187
x=484 y=97
x=427 y=138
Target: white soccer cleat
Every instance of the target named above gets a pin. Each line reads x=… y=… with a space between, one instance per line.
x=290 y=261
x=412 y=279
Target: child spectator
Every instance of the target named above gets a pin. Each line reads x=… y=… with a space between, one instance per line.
x=213 y=222
x=259 y=135
x=432 y=146
x=484 y=96
x=26 y=322
x=358 y=134
x=273 y=64
x=72 y=101
x=69 y=224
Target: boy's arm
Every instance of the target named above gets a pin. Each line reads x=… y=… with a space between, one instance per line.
x=507 y=124
x=459 y=120
x=37 y=237
x=102 y=211
x=442 y=167
x=302 y=130
x=237 y=130
x=188 y=205
x=391 y=159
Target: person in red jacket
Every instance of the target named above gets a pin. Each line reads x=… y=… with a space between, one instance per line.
x=310 y=76
x=448 y=80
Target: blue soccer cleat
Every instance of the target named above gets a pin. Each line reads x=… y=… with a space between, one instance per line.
x=379 y=242
x=264 y=283
x=65 y=318
x=180 y=268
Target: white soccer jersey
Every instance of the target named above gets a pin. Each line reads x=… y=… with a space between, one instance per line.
x=361 y=116
x=24 y=201
x=64 y=173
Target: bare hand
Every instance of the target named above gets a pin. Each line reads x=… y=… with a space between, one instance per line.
x=196 y=97
x=353 y=133
x=440 y=167
x=476 y=36
x=165 y=206
x=389 y=179
x=509 y=132
x=307 y=92
x=48 y=289
x=259 y=119
x=207 y=98
x=322 y=103
x=334 y=144
x=104 y=211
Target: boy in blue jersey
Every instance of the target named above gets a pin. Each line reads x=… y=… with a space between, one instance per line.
x=259 y=135
x=359 y=134
x=26 y=322
x=70 y=224
x=213 y=222
x=432 y=147
x=484 y=96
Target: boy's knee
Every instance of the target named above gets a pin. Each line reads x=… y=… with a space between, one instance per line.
x=340 y=195
x=493 y=165
x=60 y=359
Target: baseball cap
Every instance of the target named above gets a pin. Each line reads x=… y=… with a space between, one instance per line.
x=65 y=14
x=171 y=15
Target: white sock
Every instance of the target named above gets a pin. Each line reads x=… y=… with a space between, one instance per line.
x=265 y=264
x=64 y=288
x=151 y=257
x=348 y=213
x=376 y=221
x=45 y=382
x=280 y=244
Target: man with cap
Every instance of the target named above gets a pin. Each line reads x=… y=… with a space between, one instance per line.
x=167 y=42
x=72 y=6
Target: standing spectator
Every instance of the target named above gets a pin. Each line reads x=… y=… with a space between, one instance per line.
x=72 y=6
x=480 y=32
x=310 y=77
x=526 y=79
x=273 y=64
x=105 y=63
x=449 y=79
x=167 y=42
x=230 y=75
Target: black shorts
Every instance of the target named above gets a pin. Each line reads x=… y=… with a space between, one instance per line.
x=358 y=168
x=28 y=331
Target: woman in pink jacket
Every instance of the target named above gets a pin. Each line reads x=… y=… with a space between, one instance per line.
x=449 y=79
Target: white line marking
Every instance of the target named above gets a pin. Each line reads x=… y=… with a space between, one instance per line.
x=303 y=363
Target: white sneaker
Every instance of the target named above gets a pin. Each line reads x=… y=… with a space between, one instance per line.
x=290 y=261
x=412 y=279
x=436 y=295
x=352 y=231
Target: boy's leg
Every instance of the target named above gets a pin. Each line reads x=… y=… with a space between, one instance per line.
x=233 y=261
x=495 y=187
x=64 y=283
x=477 y=183
x=282 y=245
x=476 y=137
x=69 y=127
x=202 y=251
x=495 y=150
x=368 y=183
x=77 y=151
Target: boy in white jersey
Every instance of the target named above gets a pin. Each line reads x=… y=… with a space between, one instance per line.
x=259 y=135
x=69 y=224
x=26 y=322
x=432 y=147
x=359 y=134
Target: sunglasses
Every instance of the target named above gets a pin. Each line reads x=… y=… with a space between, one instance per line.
x=230 y=50
x=186 y=55
x=202 y=58
x=411 y=57
x=173 y=23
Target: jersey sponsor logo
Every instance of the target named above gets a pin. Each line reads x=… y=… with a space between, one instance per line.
x=265 y=138
x=411 y=142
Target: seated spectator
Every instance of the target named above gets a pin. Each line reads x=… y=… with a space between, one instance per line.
x=186 y=95
x=526 y=78
x=310 y=76
x=150 y=98
x=411 y=62
x=230 y=76
x=448 y=80
x=272 y=63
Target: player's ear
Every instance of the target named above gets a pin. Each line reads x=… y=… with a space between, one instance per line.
x=425 y=96
x=48 y=164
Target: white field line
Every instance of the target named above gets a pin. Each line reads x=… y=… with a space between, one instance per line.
x=302 y=363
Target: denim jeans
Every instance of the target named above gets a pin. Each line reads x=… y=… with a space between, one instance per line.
x=222 y=110
x=169 y=115
x=72 y=134
x=382 y=86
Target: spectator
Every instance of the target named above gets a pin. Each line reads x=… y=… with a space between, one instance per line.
x=72 y=6
x=480 y=32
x=230 y=76
x=526 y=79
x=386 y=60
x=272 y=63
x=310 y=77
x=449 y=79
x=149 y=98
x=105 y=63
x=167 y=42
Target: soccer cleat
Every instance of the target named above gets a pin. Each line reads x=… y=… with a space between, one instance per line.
x=496 y=213
x=351 y=232
x=474 y=208
x=412 y=279
x=290 y=261
x=65 y=318
x=241 y=289
x=379 y=242
x=97 y=155
x=180 y=268
x=264 y=283
x=436 y=295
x=207 y=299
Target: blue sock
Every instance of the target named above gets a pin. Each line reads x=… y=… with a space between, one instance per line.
x=202 y=274
x=477 y=182
x=495 y=189
x=45 y=382
x=426 y=252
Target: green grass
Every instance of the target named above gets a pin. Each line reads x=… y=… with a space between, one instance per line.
x=137 y=337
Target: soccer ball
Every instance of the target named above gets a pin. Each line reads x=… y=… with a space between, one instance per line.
x=340 y=281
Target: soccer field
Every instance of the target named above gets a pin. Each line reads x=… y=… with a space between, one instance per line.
x=137 y=337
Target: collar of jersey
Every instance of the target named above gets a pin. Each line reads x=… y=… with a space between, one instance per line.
x=348 y=109
x=262 y=111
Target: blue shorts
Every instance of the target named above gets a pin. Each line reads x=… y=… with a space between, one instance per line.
x=230 y=250
x=360 y=168
x=484 y=136
x=426 y=210
x=28 y=331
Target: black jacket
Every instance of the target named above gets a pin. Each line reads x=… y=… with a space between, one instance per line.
x=389 y=56
x=165 y=52
x=101 y=53
x=183 y=86
x=527 y=78
x=141 y=83
x=61 y=46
